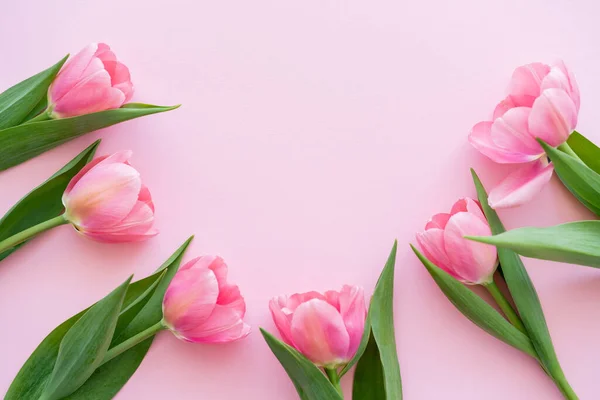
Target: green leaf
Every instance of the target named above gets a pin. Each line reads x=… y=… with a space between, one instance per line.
x=580 y=179
x=587 y=151
x=83 y=347
x=17 y=102
x=476 y=309
x=43 y=202
x=110 y=377
x=20 y=143
x=523 y=292
x=573 y=243
x=381 y=320
x=309 y=380
x=368 y=377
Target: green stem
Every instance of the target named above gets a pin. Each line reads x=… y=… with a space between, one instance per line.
x=505 y=306
x=565 y=148
x=334 y=378
x=44 y=116
x=133 y=341
x=28 y=233
x=566 y=389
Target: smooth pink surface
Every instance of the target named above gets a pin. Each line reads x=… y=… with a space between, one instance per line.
x=311 y=135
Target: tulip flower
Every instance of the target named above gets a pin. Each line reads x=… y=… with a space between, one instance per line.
x=93 y=80
x=542 y=103
x=326 y=328
x=106 y=201
x=202 y=306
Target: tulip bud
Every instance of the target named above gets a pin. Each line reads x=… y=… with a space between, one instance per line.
x=107 y=202
x=91 y=81
x=326 y=328
x=443 y=243
x=201 y=306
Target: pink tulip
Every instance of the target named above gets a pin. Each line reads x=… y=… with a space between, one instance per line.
x=542 y=102
x=326 y=328
x=443 y=243
x=91 y=81
x=201 y=306
x=107 y=202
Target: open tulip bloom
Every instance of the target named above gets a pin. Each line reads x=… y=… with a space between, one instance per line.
x=106 y=201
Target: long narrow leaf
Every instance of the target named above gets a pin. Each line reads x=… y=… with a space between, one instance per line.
x=369 y=383
x=573 y=243
x=310 y=382
x=476 y=309
x=20 y=143
x=586 y=150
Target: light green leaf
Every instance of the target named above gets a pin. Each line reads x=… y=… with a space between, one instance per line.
x=83 y=347
x=573 y=243
x=476 y=309
x=524 y=294
x=587 y=151
x=18 y=102
x=110 y=377
x=381 y=319
x=310 y=382
x=20 y=143
x=369 y=383
x=43 y=202
x=580 y=179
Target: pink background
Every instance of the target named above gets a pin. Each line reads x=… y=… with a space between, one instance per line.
x=312 y=133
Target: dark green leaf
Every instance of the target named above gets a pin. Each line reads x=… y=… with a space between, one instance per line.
x=573 y=243
x=522 y=290
x=43 y=202
x=17 y=102
x=309 y=380
x=587 y=151
x=368 y=378
x=83 y=347
x=476 y=309
x=581 y=180
x=20 y=143
x=110 y=377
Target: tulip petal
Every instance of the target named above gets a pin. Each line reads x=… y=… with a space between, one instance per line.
x=81 y=173
x=94 y=96
x=432 y=243
x=282 y=316
x=438 y=221
x=553 y=116
x=511 y=131
x=120 y=78
x=481 y=138
x=560 y=77
x=527 y=79
x=119 y=237
x=318 y=332
x=71 y=72
x=473 y=262
x=229 y=294
x=354 y=312
x=468 y=205
x=190 y=299
x=145 y=197
x=223 y=326
x=521 y=185
x=333 y=298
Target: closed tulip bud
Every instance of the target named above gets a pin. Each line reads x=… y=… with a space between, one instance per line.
x=443 y=243
x=327 y=328
x=93 y=80
x=106 y=201
x=201 y=306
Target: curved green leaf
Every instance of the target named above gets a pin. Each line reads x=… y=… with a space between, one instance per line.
x=523 y=292
x=83 y=347
x=586 y=150
x=309 y=380
x=18 y=102
x=20 y=143
x=581 y=180
x=369 y=383
x=476 y=309
x=43 y=202
x=573 y=243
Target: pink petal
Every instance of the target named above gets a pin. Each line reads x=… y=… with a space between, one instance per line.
x=468 y=205
x=481 y=138
x=560 y=77
x=103 y=197
x=511 y=131
x=354 y=312
x=137 y=222
x=120 y=78
x=229 y=294
x=282 y=316
x=190 y=299
x=71 y=72
x=318 y=332
x=432 y=244
x=333 y=298
x=117 y=237
x=82 y=172
x=526 y=80
x=521 y=185
x=223 y=326
x=298 y=298
x=512 y=101
x=473 y=262
x=553 y=117
x=89 y=98
x=145 y=197
x=438 y=221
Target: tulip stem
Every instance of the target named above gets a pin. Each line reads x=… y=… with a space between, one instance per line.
x=133 y=341
x=565 y=148
x=505 y=306
x=334 y=378
x=28 y=233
